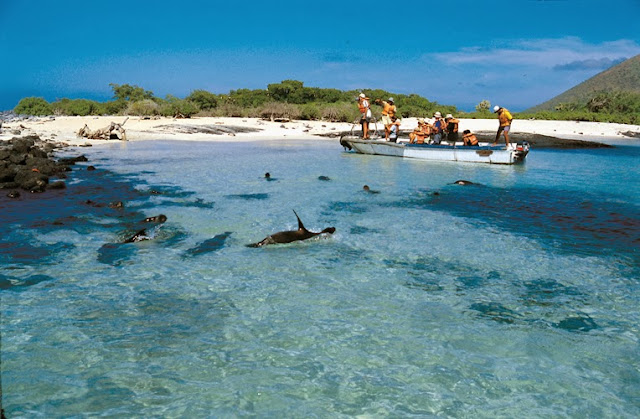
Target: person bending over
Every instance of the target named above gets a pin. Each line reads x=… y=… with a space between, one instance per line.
x=469 y=138
x=505 y=118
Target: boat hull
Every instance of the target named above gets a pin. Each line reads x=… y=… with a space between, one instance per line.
x=457 y=153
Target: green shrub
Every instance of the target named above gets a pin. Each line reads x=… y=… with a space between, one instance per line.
x=483 y=106
x=77 y=107
x=146 y=107
x=341 y=112
x=203 y=99
x=130 y=93
x=33 y=106
x=115 y=107
x=229 y=110
x=277 y=110
x=310 y=112
x=173 y=106
x=247 y=98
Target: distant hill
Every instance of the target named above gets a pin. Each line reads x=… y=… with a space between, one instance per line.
x=622 y=77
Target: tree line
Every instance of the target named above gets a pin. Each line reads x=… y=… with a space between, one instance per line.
x=290 y=99
x=287 y=99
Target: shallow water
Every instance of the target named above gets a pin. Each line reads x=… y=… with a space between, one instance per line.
x=514 y=297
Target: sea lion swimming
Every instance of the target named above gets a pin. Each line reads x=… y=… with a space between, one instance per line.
x=291 y=235
x=138 y=237
x=366 y=188
x=325 y=178
x=157 y=219
x=211 y=245
x=463 y=182
x=142 y=235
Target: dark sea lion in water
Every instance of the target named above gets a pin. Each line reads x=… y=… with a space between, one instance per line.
x=142 y=235
x=157 y=219
x=366 y=188
x=211 y=245
x=292 y=235
x=464 y=182
x=268 y=177
x=325 y=178
x=138 y=237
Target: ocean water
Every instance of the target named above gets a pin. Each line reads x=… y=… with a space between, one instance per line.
x=517 y=296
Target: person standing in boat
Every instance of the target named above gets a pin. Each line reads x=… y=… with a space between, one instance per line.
x=505 y=118
x=469 y=138
x=365 y=115
x=451 y=128
x=438 y=128
x=389 y=110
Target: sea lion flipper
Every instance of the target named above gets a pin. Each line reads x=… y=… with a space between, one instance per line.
x=263 y=242
x=139 y=236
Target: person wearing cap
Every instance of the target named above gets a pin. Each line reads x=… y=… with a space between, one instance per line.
x=438 y=128
x=389 y=110
x=505 y=118
x=469 y=138
x=365 y=115
x=451 y=128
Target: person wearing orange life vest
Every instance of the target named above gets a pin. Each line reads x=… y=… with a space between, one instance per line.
x=469 y=138
x=365 y=115
x=505 y=118
x=451 y=128
x=420 y=133
x=389 y=110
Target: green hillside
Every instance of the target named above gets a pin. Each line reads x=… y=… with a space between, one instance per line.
x=624 y=77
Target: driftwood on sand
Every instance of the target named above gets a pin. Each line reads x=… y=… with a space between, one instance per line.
x=114 y=131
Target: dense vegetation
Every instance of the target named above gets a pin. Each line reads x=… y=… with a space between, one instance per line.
x=287 y=99
x=291 y=99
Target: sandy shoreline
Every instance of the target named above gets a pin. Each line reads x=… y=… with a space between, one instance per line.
x=65 y=128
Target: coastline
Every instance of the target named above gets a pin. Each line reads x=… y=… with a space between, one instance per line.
x=65 y=128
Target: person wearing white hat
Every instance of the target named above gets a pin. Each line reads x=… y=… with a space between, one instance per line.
x=389 y=110
x=505 y=118
x=365 y=115
x=438 y=128
x=451 y=128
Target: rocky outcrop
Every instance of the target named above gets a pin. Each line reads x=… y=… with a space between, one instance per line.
x=27 y=163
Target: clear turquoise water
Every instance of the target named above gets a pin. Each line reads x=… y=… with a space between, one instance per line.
x=517 y=297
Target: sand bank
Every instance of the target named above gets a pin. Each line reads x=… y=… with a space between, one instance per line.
x=65 y=128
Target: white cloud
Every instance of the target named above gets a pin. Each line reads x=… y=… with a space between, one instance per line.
x=545 y=53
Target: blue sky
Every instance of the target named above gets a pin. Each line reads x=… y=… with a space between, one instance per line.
x=514 y=53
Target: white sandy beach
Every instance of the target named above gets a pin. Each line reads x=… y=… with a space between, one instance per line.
x=64 y=129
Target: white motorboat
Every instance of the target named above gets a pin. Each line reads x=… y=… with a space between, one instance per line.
x=483 y=153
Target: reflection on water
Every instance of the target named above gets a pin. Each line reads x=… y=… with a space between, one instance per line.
x=515 y=296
